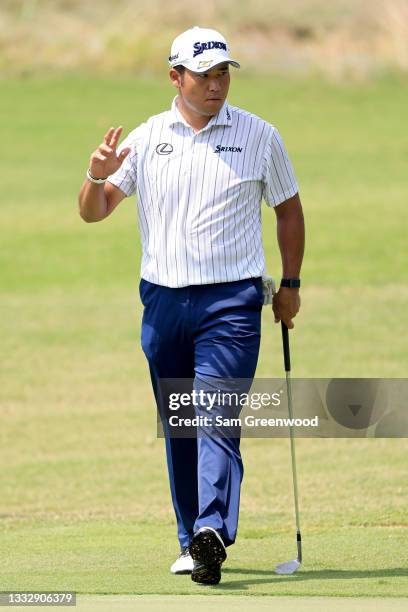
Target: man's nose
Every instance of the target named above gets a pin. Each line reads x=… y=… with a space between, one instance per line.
x=214 y=85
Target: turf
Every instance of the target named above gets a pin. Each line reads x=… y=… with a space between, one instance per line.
x=113 y=556
x=211 y=603
x=84 y=500
x=239 y=604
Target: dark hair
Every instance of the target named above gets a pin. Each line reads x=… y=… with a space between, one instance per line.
x=180 y=69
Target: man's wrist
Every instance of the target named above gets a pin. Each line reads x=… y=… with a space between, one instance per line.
x=290 y=283
x=95 y=179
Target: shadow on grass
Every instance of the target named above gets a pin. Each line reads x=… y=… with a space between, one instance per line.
x=269 y=576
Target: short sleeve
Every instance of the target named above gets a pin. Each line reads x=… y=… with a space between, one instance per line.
x=279 y=177
x=126 y=177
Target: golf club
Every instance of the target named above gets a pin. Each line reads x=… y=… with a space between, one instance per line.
x=289 y=567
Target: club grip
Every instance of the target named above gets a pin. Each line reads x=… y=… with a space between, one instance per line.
x=285 y=341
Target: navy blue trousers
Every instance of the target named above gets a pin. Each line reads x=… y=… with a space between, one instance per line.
x=203 y=333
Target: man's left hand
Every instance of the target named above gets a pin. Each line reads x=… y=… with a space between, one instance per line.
x=286 y=304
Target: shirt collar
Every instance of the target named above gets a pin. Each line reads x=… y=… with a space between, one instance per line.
x=223 y=117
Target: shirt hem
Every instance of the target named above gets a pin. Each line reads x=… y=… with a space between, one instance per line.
x=285 y=195
x=115 y=184
x=209 y=282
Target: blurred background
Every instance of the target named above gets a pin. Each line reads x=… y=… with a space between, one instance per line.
x=338 y=39
x=83 y=477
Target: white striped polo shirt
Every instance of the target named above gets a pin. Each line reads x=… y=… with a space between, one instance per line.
x=199 y=194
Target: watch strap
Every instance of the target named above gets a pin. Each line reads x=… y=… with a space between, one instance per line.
x=291 y=283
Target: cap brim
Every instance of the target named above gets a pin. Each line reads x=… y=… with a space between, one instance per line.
x=203 y=66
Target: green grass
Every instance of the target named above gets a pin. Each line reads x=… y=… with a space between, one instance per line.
x=121 y=557
x=84 y=500
x=211 y=603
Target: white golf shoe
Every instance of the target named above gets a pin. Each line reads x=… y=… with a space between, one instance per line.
x=184 y=564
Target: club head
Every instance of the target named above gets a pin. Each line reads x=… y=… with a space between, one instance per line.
x=287 y=568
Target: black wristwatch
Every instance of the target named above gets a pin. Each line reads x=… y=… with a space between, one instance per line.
x=291 y=283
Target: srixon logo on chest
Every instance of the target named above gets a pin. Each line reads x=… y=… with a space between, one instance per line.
x=221 y=149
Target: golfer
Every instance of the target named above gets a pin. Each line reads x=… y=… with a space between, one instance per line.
x=200 y=171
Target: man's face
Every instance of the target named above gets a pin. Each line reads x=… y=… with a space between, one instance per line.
x=205 y=92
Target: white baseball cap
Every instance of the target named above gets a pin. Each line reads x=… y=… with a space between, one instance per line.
x=200 y=49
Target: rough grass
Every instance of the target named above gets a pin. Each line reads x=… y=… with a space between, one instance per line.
x=340 y=39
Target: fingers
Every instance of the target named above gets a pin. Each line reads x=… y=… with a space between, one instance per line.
x=105 y=150
x=287 y=321
x=285 y=306
x=286 y=318
x=112 y=136
x=282 y=315
x=108 y=135
x=115 y=137
x=275 y=310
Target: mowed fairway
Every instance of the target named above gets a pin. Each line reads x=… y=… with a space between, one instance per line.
x=84 y=501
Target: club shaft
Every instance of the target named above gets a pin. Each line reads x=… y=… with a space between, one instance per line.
x=286 y=353
x=293 y=451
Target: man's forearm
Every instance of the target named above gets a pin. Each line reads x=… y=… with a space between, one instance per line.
x=291 y=240
x=92 y=200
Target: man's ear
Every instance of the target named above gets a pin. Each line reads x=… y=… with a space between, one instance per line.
x=176 y=78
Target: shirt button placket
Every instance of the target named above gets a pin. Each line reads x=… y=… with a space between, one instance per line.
x=189 y=156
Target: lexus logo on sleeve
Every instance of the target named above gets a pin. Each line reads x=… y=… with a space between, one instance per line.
x=164 y=148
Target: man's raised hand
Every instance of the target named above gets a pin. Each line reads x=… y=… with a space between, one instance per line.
x=104 y=160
